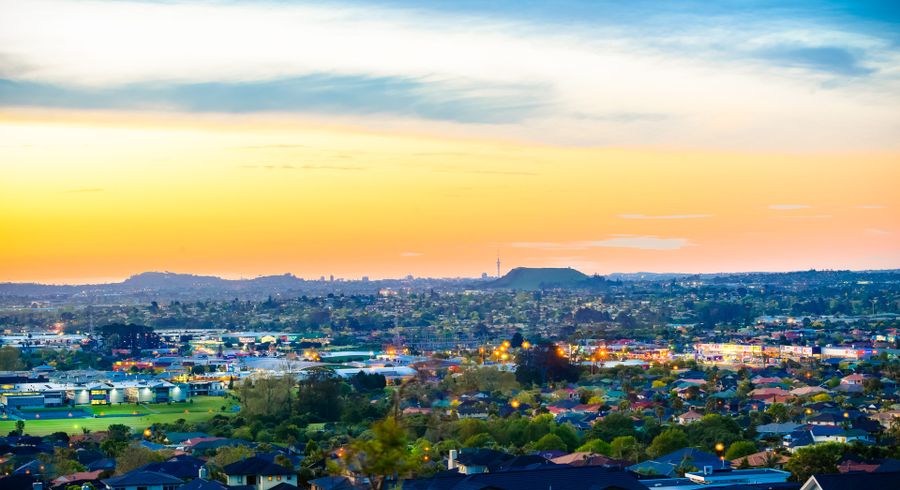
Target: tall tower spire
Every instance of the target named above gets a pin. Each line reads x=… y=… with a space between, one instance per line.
x=498 y=263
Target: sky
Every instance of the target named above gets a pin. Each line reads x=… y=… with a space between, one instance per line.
x=390 y=138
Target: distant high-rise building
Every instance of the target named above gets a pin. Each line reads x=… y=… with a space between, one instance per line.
x=484 y=275
x=365 y=278
x=498 y=263
x=331 y=278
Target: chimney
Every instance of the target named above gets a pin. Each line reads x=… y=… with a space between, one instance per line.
x=451 y=460
x=203 y=473
x=707 y=470
x=38 y=485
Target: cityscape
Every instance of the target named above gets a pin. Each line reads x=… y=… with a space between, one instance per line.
x=393 y=245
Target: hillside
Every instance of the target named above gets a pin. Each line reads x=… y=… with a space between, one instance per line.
x=528 y=278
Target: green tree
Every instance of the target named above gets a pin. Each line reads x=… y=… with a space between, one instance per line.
x=550 y=442
x=229 y=454
x=133 y=457
x=597 y=446
x=670 y=440
x=627 y=448
x=818 y=458
x=118 y=438
x=739 y=449
x=612 y=426
x=11 y=359
x=383 y=456
x=779 y=412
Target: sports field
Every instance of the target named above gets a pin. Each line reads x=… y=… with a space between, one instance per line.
x=137 y=416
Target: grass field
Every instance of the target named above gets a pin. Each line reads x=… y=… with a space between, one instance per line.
x=148 y=414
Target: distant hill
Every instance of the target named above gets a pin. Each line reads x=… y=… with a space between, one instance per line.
x=527 y=278
x=172 y=280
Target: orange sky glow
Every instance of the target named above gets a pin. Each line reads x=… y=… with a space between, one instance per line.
x=98 y=196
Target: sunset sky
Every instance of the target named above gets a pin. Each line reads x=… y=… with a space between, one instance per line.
x=392 y=138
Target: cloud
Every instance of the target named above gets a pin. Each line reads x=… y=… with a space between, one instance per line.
x=643 y=243
x=870 y=206
x=877 y=231
x=786 y=207
x=646 y=242
x=476 y=70
x=83 y=191
x=315 y=93
x=830 y=59
x=665 y=216
x=411 y=254
x=807 y=216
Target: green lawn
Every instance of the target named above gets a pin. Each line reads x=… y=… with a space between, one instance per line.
x=202 y=409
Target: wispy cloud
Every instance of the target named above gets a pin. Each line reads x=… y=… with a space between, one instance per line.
x=836 y=60
x=877 y=231
x=787 y=207
x=870 y=206
x=83 y=191
x=645 y=242
x=491 y=71
x=665 y=216
x=411 y=254
x=807 y=216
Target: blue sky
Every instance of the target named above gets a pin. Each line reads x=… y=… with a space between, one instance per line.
x=787 y=75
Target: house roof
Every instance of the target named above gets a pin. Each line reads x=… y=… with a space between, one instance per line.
x=256 y=466
x=201 y=484
x=568 y=477
x=140 y=477
x=855 y=481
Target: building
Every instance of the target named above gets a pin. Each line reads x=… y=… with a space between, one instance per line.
x=258 y=474
x=143 y=480
x=853 y=481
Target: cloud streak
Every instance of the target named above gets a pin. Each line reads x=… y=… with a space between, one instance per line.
x=490 y=73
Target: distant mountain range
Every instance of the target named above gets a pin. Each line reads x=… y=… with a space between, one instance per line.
x=172 y=285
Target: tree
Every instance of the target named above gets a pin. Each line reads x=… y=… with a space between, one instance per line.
x=626 y=447
x=779 y=412
x=739 y=449
x=133 y=457
x=11 y=359
x=818 y=458
x=20 y=426
x=319 y=395
x=384 y=456
x=267 y=396
x=550 y=442
x=872 y=386
x=597 y=446
x=612 y=426
x=61 y=462
x=713 y=429
x=226 y=455
x=670 y=440
x=544 y=363
x=118 y=438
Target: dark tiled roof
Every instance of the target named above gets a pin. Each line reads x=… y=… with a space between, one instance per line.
x=200 y=484
x=141 y=477
x=563 y=477
x=181 y=467
x=855 y=481
x=256 y=466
